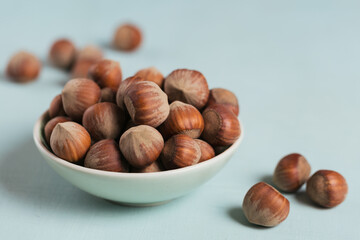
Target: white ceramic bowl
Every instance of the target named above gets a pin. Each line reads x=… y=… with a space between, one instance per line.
x=140 y=189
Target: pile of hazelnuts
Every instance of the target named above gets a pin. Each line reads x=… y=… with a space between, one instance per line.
x=264 y=205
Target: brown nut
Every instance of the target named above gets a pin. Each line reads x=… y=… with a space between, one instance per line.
x=122 y=90
x=90 y=52
x=49 y=127
x=105 y=155
x=220 y=149
x=81 y=68
x=221 y=126
x=108 y=95
x=327 y=188
x=79 y=94
x=151 y=74
x=291 y=172
x=146 y=103
x=62 y=53
x=106 y=73
x=154 y=167
x=264 y=205
x=23 y=67
x=183 y=119
x=180 y=151
x=188 y=86
x=104 y=121
x=207 y=151
x=127 y=37
x=56 y=107
x=70 y=141
x=224 y=97
x=141 y=145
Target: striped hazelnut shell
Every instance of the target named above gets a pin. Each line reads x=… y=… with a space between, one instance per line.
x=106 y=73
x=151 y=74
x=207 y=151
x=224 y=97
x=122 y=90
x=56 y=107
x=50 y=125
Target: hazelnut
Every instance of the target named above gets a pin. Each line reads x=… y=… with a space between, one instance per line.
x=188 y=86
x=327 y=188
x=207 y=151
x=62 y=53
x=146 y=103
x=23 y=67
x=106 y=73
x=154 y=167
x=108 y=95
x=56 y=107
x=141 y=145
x=79 y=94
x=180 y=151
x=122 y=89
x=264 y=205
x=220 y=149
x=81 y=68
x=70 y=141
x=221 y=126
x=49 y=127
x=151 y=74
x=224 y=97
x=104 y=121
x=127 y=37
x=291 y=172
x=105 y=155
x=183 y=119
x=90 y=52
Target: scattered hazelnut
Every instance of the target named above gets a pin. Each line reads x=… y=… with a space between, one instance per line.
x=154 y=167
x=141 y=145
x=104 y=121
x=146 y=103
x=23 y=67
x=105 y=155
x=49 y=127
x=264 y=205
x=221 y=126
x=108 y=95
x=62 y=53
x=224 y=97
x=70 y=141
x=188 y=86
x=291 y=172
x=183 y=119
x=207 y=151
x=81 y=68
x=327 y=188
x=127 y=37
x=106 y=73
x=122 y=89
x=79 y=94
x=90 y=52
x=180 y=151
x=151 y=74
x=56 y=107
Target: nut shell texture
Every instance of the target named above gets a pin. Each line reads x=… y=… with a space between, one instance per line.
x=151 y=74
x=146 y=103
x=224 y=97
x=50 y=125
x=123 y=88
x=106 y=73
x=291 y=172
x=154 y=167
x=70 y=141
x=264 y=205
x=79 y=94
x=327 y=188
x=127 y=37
x=56 y=107
x=141 y=145
x=188 y=86
x=62 y=53
x=23 y=67
x=207 y=151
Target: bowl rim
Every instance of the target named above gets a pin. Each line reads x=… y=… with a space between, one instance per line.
x=37 y=132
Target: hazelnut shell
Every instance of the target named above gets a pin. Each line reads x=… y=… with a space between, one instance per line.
x=207 y=151
x=23 y=67
x=224 y=97
x=127 y=37
x=50 y=125
x=56 y=107
x=106 y=73
x=151 y=74
x=62 y=53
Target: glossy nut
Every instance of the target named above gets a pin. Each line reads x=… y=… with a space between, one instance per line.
x=23 y=67
x=106 y=73
x=154 y=167
x=105 y=155
x=104 y=121
x=146 y=103
x=127 y=37
x=124 y=85
x=327 y=188
x=224 y=97
x=264 y=205
x=207 y=151
x=188 y=86
x=221 y=126
x=79 y=94
x=50 y=125
x=62 y=53
x=151 y=74
x=108 y=95
x=183 y=119
x=180 y=151
x=56 y=107
x=70 y=141
x=141 y=145
x=291 y=172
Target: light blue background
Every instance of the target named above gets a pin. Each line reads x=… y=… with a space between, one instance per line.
x=294 y=66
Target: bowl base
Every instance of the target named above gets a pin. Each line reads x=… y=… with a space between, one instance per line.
x=128 y=204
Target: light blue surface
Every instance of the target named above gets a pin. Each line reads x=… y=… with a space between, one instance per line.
x=294 y=66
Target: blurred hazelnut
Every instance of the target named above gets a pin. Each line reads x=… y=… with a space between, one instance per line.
x=56 y=107
x=224 y=97
x=90 y=52
x=127 y=37
x=23 y=67
x=151 y=74
x=62 y=53
x=49 y=127
x=106 y=73
x=207 y=151
x=108 y=95
x=81 y=68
